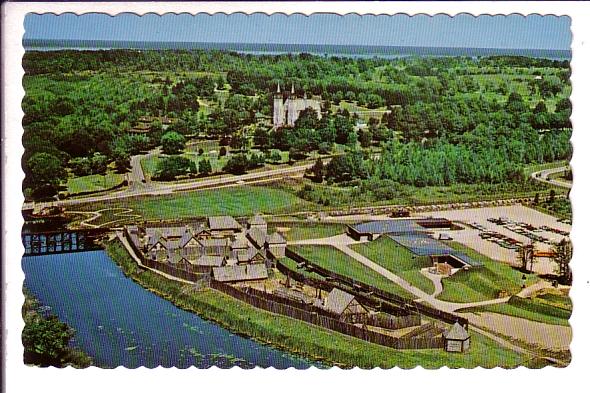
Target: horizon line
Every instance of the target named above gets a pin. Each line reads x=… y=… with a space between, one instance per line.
x=289 y=43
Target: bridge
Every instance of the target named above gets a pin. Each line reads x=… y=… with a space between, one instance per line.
x=55 y=242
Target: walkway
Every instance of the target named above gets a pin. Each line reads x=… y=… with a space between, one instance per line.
x=341 y=242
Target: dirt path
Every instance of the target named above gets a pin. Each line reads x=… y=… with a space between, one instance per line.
x=553 y=337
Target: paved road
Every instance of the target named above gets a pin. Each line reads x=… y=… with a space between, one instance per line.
x=543 y=176
x=162 y=189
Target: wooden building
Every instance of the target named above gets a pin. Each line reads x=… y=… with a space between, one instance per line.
x=345 y=306
x=457 y=339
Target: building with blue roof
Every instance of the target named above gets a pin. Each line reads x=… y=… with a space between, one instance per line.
x=414 y=235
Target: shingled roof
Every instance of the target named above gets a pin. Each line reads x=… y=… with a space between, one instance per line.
x=240 y=272
x=257 y=220
x=209 y=260
x=220 y=223
x=257 y=237
x=337 y=301
x=275 y=238
x=456 y=332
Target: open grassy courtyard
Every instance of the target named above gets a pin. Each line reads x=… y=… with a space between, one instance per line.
x=94 y=183
x=233 y=201
x=482 y=283
x=398 y=260
x=531 y=309
x=336 y=261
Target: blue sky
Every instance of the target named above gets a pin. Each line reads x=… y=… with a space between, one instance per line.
x=513 y=31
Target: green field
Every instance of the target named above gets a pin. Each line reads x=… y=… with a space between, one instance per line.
x=233 y=201
x=482 y=283
x=312 y=230
x=308 y=340
x=398 y=260
x=531 y=309
x=93 y=183
x=336 y=261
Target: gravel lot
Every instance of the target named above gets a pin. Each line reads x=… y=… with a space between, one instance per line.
x=518 y=213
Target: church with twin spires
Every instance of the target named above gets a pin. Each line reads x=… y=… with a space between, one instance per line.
x=287 y=107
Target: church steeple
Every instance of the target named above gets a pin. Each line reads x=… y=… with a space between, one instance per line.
x=278 y=87
x=292 y=89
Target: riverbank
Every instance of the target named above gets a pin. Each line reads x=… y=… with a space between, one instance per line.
x=303 y=339
x=46 y=339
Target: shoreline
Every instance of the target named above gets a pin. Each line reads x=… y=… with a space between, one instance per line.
x=73 y=356
x=298 y=338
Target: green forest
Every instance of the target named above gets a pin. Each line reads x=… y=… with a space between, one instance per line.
x=430 y=121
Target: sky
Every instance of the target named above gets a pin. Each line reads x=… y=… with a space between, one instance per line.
x=464 y=30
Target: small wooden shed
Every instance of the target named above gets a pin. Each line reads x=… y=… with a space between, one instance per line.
x=456 y=339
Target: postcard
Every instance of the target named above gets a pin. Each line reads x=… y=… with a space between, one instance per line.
x=273 y=190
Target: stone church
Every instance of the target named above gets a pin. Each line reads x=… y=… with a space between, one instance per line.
x=287 y=107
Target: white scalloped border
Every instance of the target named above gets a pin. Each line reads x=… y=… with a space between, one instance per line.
x=11 y=80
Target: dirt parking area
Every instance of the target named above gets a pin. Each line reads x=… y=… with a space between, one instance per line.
x=553 y=337
x=517 y=213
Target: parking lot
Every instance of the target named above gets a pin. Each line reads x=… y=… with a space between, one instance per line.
x=497 y=232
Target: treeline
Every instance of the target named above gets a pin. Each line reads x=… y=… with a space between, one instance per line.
x=484 y=156
x=80 y=105
x=46 y=340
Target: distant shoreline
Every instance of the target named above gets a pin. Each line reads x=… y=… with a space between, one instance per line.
x=360 y=51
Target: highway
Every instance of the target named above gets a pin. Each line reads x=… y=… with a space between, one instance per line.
x=154 y=189
x=543 y=176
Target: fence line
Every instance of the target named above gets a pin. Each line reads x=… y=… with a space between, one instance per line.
x=404 y=303
x=327 y=322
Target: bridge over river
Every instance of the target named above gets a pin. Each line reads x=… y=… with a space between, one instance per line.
x=61 y=241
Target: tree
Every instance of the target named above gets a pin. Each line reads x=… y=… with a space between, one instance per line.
x=318 y=170
x=172 y=142
x=205 y=167
x=45 y=341
x=365 y=137
x=237 y=164
x=347 y=167
x=563 y=252
x=44 y=174
x=344 y=128
x=261 y=138
x=169 y=168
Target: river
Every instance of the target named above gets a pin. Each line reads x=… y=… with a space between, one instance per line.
x=118 y=322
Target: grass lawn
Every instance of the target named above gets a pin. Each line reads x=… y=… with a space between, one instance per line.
x=305 y=339
x=94 y=182
x=291 y=264
x=397 y=260
x=482 y=283
x=531 y=309
x=311 y=230
x=336 y=261
x=233 y=201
